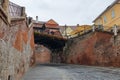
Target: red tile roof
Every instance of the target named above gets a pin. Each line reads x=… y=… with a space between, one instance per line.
x=51 y=24
x=51 y=21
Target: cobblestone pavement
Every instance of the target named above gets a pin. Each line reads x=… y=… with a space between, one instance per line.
x=71 y=72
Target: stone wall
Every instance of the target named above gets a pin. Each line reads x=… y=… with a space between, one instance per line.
x=16 y=48
x=57 y=56
x=42 y=54
x=98 y=48
x=46 y=55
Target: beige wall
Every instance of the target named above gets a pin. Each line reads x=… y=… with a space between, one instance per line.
x=110 y=21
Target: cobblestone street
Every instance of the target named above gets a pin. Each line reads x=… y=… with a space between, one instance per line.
x=71 y=72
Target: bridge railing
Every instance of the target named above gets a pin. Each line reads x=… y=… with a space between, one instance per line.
x=15 y=10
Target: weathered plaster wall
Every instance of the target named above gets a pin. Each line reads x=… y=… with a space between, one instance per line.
x=98 y=48
x=16 y=49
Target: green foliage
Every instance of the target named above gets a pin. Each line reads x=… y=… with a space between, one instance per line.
x=49 y=36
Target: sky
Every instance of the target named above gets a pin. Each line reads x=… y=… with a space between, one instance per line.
x=69 y=12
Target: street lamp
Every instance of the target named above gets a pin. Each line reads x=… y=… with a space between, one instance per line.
x=115 y=30
x=65 y=31
x=93 y=28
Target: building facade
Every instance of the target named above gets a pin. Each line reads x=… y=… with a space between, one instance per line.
x=66 y=30
x=49 y=27
x=109 y=17
x=80 y=30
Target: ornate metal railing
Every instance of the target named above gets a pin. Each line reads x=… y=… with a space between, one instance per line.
x=15 y=10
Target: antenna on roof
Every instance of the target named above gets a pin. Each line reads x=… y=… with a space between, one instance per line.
x=78 y=25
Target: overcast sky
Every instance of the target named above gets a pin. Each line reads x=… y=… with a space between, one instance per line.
x=69 y=12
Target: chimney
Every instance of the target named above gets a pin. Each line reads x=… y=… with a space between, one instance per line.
x=78 y=25
x=23 y=12
x=36 y=19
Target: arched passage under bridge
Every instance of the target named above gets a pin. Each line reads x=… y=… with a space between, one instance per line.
x=54 y=43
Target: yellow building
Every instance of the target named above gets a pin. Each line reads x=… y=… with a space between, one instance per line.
x=109 y=17
x=81 y=30
x=66 y=30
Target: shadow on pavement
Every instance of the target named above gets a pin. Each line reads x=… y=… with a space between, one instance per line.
x=52 y=64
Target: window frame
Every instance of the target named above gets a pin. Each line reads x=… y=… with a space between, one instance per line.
x=113 y=13
x=105 y=19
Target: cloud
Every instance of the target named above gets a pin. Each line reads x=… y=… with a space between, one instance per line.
x=65 y=11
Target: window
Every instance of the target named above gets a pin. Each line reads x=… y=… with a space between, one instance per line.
x=105 y=19
x=113 y=13
x=52 y=32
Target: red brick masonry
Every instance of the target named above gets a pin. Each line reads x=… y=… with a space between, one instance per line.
x=99 y=48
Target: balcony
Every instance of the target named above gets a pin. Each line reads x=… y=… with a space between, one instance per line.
x=16 y=11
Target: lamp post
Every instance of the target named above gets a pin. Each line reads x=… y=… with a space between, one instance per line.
x=93 y=28
x=115 y=30
x=66 y=31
